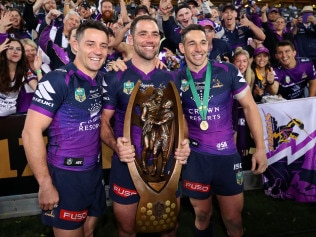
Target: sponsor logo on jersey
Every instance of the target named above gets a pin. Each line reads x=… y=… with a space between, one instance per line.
x=80 y=94
x=242 y=122
x=304 y=76
x=94 y=94
x=123 y=192
x=44 y=90
x=95 y=109
x=69 y=161
x=242 y=79
x=74 y=216
x=184 y=85
x=216 y=83
x=198 y=187
x=128 y=87
x=239 y=177
x=91 y=124
x=221 y=146
x=50 y=213
x=287 y=79
x=237 y=166
x=29 y=73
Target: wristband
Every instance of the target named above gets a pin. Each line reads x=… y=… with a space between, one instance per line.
x=39 y=71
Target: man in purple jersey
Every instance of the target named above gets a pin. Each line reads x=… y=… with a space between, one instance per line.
x=207 y=90
x=293 y=75
x=118 y=87
x=68 y=103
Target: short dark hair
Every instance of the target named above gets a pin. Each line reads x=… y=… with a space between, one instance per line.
x=91 y=24
x=285 y=43
x=141 y=18
x=190 y=28
x=181 y=6
x=141 y=8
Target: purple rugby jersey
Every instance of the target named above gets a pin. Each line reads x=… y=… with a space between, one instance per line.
x=226 y=82
x=118 y=88
x=74 y=102
x=293 y=81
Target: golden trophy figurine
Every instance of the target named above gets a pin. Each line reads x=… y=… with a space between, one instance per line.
x=162 y=139
x=150 y=110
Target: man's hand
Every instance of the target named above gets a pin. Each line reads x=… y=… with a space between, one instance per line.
x=117 y=65
x=52 y=15
x=125 y=151
x=165 y=7
x=48 y=197
x=259 y=161
x=244 y=21
x=182 y=154
x=311 y=19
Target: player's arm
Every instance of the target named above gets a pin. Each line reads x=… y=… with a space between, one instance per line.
x=182 y=153
x=122 y=146
x=35 y=150
x=252 y=115
x=312 y=88
x=107 y=134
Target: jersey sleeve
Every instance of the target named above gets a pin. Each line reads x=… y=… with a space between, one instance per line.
x=239 y=84
x=311 y=72
x=50 y=93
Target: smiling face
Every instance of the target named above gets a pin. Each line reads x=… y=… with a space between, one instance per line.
x=184 y=17
x=261 y=60
x=195 y=48
x=229 y=16
x=146 y=39
x=286 y=56
x=15 y=19
x=107 y=9
x=30 y=52
x=14 y=52
x=241 y=62
x=92 y=50
x=71 y=21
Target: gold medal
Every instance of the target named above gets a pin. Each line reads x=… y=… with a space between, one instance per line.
x=204 y=125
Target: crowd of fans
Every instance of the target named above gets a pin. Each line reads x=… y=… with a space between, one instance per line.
x=274 y=48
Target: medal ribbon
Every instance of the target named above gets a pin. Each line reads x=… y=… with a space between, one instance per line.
x=201 y=105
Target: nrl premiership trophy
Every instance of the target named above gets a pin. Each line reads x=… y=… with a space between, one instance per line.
x=155 y=172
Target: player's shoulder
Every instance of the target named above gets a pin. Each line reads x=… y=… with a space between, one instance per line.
x=223 y=66
x=303 y=60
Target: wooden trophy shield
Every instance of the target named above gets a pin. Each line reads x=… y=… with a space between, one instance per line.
x=161 y=123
